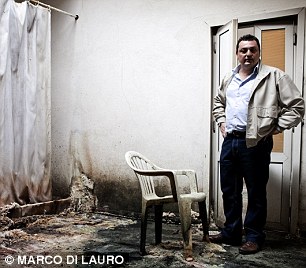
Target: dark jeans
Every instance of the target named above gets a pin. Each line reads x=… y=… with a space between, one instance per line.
x=237 y=162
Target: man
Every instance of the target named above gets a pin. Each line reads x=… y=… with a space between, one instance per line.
x=254 y=102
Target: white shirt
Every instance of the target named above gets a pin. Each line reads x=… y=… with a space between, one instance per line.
x=238 y=95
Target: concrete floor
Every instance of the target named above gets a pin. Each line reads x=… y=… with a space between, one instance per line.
x=87 y=240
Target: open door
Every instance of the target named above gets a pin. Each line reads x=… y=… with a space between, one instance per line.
x=278 y=51
x=225 y=60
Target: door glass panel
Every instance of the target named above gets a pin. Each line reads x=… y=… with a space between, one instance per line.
x=273 y=54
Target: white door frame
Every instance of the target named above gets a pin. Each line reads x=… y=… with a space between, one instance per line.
x=299 y=68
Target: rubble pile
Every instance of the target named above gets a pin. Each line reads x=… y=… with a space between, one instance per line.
x=82 y=195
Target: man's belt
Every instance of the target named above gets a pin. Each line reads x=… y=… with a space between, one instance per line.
x=236 y=134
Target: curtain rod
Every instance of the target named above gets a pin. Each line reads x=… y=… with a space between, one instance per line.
x=54 y=8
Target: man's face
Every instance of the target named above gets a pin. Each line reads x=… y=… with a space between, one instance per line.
x=248 y=54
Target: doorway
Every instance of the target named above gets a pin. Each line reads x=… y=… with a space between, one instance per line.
x=278 y=48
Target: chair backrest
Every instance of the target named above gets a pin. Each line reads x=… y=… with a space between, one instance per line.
x=138 y=162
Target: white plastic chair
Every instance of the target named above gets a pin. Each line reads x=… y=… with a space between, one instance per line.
x=145 y=171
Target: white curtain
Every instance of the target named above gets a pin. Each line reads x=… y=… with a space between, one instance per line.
x=25 y=120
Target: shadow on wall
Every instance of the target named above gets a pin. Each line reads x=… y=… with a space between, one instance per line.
x=118 y=196
x=123 y=197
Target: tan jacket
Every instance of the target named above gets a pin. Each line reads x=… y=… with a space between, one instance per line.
x=275 y=102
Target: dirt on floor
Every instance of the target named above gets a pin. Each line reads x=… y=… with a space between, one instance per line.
x=102 y=239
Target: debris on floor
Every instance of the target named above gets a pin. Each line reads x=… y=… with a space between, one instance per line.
x=5 y=221
x=83 y=240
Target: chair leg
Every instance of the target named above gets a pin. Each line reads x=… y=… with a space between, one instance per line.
x=185 y=217
x=158 y=223
x=204 y=219
x=143 y=232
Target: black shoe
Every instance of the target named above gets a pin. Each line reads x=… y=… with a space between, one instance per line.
x=219 y=239
x=249 y=247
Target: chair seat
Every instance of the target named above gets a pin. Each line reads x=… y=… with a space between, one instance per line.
x=194 y=197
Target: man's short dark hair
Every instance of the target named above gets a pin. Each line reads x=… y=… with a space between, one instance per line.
x=247 y=37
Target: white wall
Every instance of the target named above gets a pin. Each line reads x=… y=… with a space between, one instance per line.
x=129 y=75
x=136 y=75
